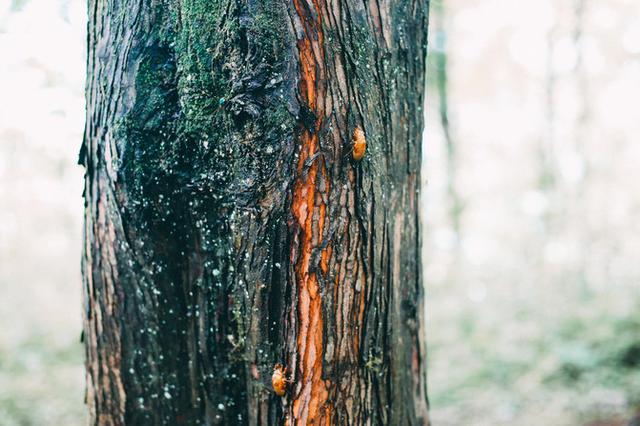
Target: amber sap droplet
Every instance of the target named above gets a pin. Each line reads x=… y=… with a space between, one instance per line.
x=279 y=380
x=359 y=144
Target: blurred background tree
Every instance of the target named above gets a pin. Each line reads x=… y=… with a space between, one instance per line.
x=533 y=291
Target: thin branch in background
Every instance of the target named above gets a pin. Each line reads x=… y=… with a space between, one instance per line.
x=440 y=53
x=582 y=82
x=547 y=154
x=581 y=130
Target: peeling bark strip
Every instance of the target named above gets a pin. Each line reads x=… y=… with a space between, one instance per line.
x=229 y=228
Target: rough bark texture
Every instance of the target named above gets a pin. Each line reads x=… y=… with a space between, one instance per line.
x=228 y=227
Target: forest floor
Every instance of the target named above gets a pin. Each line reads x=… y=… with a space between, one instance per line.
x=556 y=360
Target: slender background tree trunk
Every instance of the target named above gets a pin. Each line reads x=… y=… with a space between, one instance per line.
x=229 y=228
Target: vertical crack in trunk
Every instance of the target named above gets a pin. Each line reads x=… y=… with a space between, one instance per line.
x=309 y=211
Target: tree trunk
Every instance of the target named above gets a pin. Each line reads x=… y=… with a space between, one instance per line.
x=230 y=227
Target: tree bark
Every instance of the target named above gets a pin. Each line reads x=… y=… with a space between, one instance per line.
x=228 y=226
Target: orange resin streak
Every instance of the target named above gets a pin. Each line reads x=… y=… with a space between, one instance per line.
x=310 y=402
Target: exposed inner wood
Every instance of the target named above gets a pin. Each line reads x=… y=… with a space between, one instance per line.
x=309 y=401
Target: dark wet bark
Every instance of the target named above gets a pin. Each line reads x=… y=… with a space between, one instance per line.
x=228 y=226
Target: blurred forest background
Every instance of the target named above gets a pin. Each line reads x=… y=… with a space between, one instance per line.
x=531 y=196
